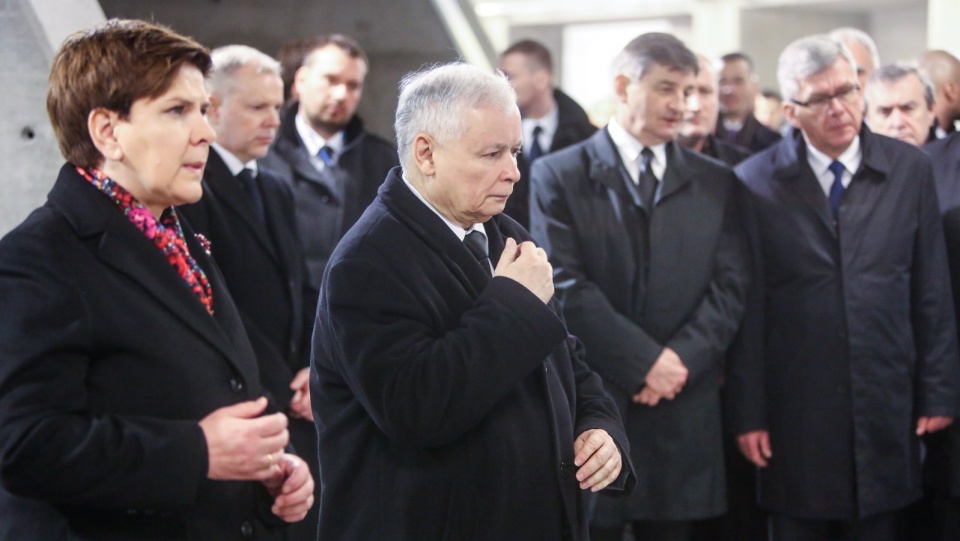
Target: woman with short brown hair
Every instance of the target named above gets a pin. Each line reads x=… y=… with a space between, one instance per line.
x=130 y=401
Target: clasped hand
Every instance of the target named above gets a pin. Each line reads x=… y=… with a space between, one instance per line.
x=665 y=379
x=528 y=265
x=242 y=445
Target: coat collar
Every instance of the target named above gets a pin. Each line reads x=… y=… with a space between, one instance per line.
x=433 y=232
x=607 y=169
x=220 y=180
x=793 y=171
x=124 y=248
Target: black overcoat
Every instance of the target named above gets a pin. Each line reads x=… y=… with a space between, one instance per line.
x=263 y=266
x=446 y=401
x=107 y=364
x=630 y=287
x=851 y=330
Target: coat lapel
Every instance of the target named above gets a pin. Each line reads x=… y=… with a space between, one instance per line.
x=678 y=174
x=129 y=252
x=436 y=234
x=607 y=170
x=228 y=189
x=794 y=175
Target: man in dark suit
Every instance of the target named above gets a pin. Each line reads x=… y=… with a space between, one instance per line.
x=739 y=86
x=331 y=163
x=551 y=120
x=899 y=101
x=700 y=120
x=652 y=276
x=247 y=214
x=850 y=349
x=451 y=401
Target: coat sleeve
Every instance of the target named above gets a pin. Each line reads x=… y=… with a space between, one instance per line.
x=52 y=447
x=707 y=333
x=595 y=409
x=624 y=361
x=744 y=394
x=938 y=366
x=426 y=382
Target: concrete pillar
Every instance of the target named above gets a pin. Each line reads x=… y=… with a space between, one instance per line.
x=31 y=31
x=715 y=28
x=942 y=17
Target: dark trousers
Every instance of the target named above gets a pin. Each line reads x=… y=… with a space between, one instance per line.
x=882 y=527
x=647 y=530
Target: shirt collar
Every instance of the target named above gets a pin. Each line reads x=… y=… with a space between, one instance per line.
x=233 y=163
x=630 y=148
x=548 y=126
x=459 y=231
x=820 y=162
x=313 y=141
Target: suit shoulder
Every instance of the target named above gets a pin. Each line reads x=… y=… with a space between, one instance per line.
x=759 y=166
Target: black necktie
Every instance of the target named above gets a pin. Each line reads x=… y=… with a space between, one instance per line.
x=647 y=183
x=249 y=183
x=836 y=189
x=535 y=150
x=476 y=242
x=326 y=154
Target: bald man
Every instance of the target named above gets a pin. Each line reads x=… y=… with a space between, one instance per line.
x=944 y=71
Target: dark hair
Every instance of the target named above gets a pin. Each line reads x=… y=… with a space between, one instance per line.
x=655 y=48
x=112 y=66
x=733 y=57
x=291 y=57
x=770 y=93
x=346 y=44
x=534 y=51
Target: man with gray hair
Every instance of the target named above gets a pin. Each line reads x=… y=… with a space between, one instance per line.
x=864 y=51
x=849 y=350
x=900 y=104
x=247 y=215
x=650 y=263
x=451 y=401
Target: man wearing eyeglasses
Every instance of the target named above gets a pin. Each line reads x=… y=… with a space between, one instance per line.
x=848 y=349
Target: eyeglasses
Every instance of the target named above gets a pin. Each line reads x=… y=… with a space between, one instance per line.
x=818 y=101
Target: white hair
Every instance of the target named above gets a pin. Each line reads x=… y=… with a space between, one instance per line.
x=847 y=33
x=808 y=56
x=434 y=100
x=229 y=59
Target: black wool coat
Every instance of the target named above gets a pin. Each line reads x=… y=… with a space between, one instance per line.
x=107 y=364
x=851 y=330
x=264 y=268
x=631 y=285
x=446 y=402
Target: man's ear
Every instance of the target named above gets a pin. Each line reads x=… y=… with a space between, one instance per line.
x=423 y=154
x=213 y=111
x=790 y=113
x=102 y=125
x=620 y=84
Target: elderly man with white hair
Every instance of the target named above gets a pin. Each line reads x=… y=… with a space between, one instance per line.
x=451 y=401
x=849 y=349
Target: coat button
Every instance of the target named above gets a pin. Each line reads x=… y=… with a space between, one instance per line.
x=236 y=385
x=246 y=529
x=325 y=198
